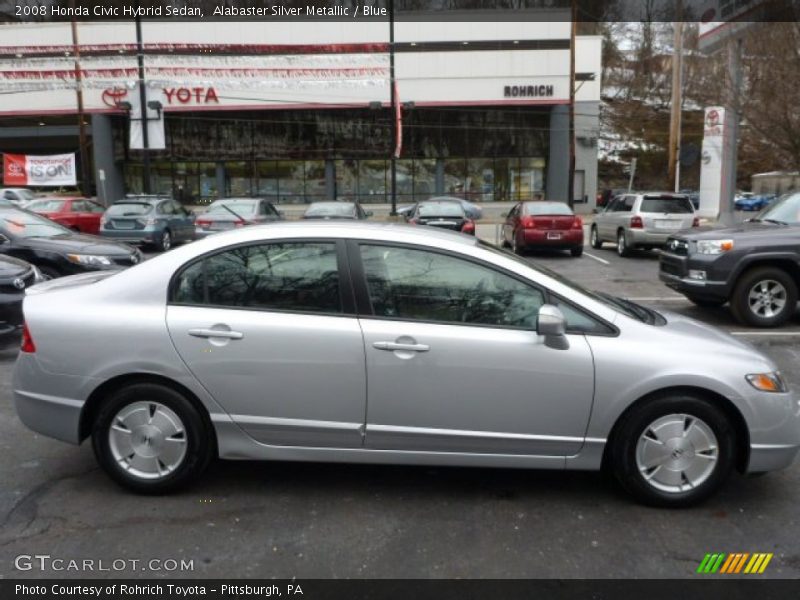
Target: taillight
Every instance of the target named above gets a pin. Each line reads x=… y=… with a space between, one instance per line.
x=528 y=222
x=469 y=227
x=238 y=223
x=696 y=222
x=103 y=221
x=637 y=223
x=577 y=223
x=27 y=340
x=203 y=223
x=414 y=221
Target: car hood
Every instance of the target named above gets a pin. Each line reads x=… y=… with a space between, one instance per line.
x=741 y=231
x=12 y=267
x=79 y=244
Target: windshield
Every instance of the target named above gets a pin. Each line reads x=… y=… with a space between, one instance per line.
x=26 y=194
x=19 y=224
x=331 y=209
x=46 y=205
x=547 y=208
x=129 y=209
x=626 y=307
x=240 y=208
x=666 y=204
x=440 y=209
x=785 y=210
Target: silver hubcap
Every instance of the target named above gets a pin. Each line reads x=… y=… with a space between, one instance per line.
x=621 y=243
x=594 y=237
x=767 y=298
x=166 y=242
x=677 y=453
x=148 y=440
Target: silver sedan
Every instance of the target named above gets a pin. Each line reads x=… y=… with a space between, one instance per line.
x=353 y=342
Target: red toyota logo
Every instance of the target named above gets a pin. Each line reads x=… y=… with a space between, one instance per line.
x=113 y=96
x=712 y=118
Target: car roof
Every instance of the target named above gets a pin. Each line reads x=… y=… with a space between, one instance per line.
x=228 y=200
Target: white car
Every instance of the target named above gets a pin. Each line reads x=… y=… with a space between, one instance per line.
x=17 y=196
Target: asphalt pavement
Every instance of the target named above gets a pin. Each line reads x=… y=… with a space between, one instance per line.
x=248 y=519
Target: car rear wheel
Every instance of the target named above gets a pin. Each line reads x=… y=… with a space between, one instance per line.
x=706 y=302
x=165 y=243
x=673 y=451
x=577 y=251
x=594 y=239
x=764 y=297
x=622 y=244
x=149 y=438
x=516 y=247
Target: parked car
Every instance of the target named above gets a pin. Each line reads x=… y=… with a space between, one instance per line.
x=642 y=220
x=336 y=210
x=78 y=214
x=443 y=214
x=538 y=225
x=473 y=211
x=754 y=265
x=384 y=344
x=148 y=220
x=56 y=250
x=753 y=202
x=16 y=276
x=607 y=195
x=17 y=196
x=694 y=197
x=229 y=213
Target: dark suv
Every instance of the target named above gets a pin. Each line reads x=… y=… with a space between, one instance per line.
x=755 y=266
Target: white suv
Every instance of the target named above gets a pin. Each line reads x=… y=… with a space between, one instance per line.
x=642 y=220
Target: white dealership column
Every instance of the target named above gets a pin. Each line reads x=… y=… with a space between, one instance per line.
x=713 y=175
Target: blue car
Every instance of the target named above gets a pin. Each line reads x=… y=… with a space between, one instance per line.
x=148 y=220
x=753 y=202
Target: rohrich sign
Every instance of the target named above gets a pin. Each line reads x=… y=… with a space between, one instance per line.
x=27 y=169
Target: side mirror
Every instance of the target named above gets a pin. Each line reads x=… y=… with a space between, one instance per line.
x=553 y=326
x=368 y=213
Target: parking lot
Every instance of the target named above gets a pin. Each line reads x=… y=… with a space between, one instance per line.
x=316 y=520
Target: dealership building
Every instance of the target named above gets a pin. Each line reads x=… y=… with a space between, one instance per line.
x=301 y=111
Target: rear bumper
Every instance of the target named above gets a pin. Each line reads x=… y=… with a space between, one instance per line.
x=538 y=238
x=132 y=237
x=645 y=237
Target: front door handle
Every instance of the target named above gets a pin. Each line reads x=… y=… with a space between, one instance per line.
x=393 y=346
x=216 y=333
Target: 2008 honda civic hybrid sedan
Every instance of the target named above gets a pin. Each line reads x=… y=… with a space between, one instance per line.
x=382 y=343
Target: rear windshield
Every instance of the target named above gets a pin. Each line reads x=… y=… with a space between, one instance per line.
x=240 y=208
x=659 y=204
x=21 y=224
x=330 y=209
x=547 y=208
x=46 y=205
x=441 y=209
x=129 y=209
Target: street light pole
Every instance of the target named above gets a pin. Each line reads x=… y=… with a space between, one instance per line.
x=677 y=94
x=571 y=174
x=143 y=106
x=393 y=97
x=85 y=186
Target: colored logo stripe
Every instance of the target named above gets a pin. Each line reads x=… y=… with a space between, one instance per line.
x=734 y=563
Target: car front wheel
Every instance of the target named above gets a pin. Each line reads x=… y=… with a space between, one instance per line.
x=516 y=247
x=673 y=451
x=166 y=241
x=594 y=239
x=764 y=297
x=150 y=439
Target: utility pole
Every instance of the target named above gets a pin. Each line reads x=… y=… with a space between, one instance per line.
x=143 y=106
x=85 y=183
x=677 y=100
x=572 y=37
x=393 y=97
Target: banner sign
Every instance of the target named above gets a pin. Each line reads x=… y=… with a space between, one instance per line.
x=27 y=169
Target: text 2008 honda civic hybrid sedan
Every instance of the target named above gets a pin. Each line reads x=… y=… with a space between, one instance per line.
x=351 y=342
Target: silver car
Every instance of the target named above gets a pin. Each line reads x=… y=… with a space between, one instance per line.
x=642 y=220
x=383 y=343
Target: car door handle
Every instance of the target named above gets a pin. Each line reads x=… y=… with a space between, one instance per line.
x=216 y=333
x=393 y=346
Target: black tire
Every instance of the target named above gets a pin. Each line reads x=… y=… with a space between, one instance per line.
x=49 y=272
x=594 y=238
x=200 y=448
x=706 y=302
x=165 y=242
x=577 y=251
x=635 y=424
x=740 y=304
x=516 y=248
x=623 y=249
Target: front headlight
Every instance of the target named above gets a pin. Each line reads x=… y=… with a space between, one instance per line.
x=714 y=246
x=89 y=259
x=767 y=382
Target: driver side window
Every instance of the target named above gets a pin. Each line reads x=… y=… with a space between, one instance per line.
x=421 y=285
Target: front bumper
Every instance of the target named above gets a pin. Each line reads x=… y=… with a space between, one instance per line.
x=774 y=431
x=674 y=272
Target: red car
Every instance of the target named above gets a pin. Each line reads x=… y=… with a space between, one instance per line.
x=543 y=225
x=78 y=214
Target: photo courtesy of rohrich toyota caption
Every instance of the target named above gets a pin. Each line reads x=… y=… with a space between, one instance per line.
x=443 y=298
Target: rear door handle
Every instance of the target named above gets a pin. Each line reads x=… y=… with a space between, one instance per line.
x=216 y=333
x=392 y=346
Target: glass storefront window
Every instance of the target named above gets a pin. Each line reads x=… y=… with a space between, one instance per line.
x=238 y=179
x=267 y=180
x=346 y=179
x=315 y=189
x=424 y=179
x=405 y=181
x=290 y=181
x=208 y=182
x=455 y=174
x=502 y=181
x=161 y=176
x=187 y=188
x=133 y=179
x=480 y=180
x=372 y=181
x=527 y=178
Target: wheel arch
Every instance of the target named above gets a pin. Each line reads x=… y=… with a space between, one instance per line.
x=93 y=403
x=780 y=261
x=731 y=411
